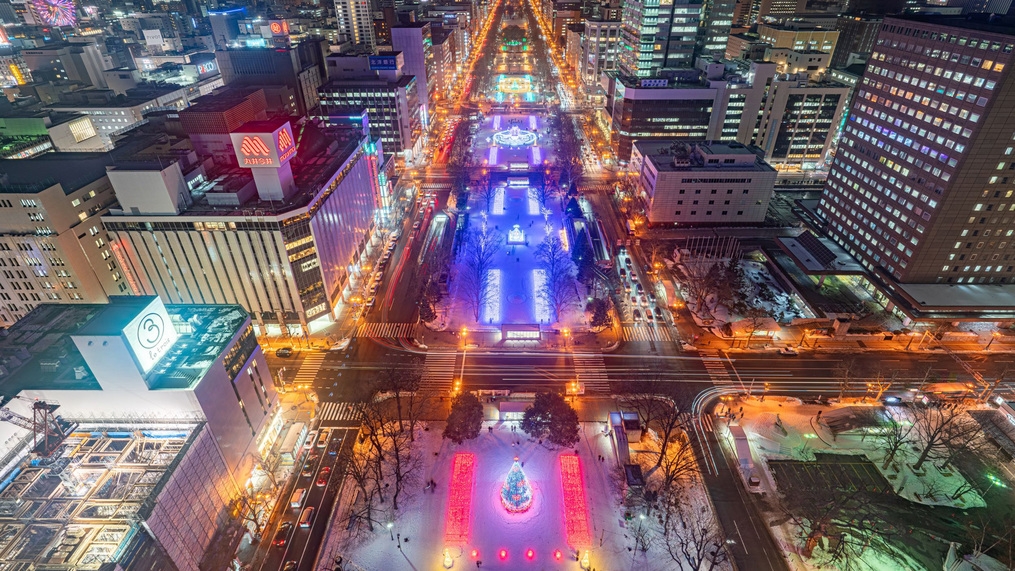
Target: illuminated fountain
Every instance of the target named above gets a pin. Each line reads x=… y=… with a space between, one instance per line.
x=515 y=137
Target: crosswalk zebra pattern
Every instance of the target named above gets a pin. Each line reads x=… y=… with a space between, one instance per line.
x=715 y=368
x=340 y=411
x=646 y=333
x=439 y=371
x=391 y=330
x=308 y=369
x=685 y=419
x=591 y=371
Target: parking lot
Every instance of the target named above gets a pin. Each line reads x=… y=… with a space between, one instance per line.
x=829 y=472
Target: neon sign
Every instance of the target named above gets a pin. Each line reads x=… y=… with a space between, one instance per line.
x=270 y=149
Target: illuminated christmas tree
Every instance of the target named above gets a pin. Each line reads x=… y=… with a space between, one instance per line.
x=516 y=494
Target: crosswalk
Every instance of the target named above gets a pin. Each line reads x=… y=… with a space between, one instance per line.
x=591 y=371
x=685 y=419
x=715 y=368
x=391 y=330
x=439 y=371
x=646 y=333
x=308 y=368
x=340 y=411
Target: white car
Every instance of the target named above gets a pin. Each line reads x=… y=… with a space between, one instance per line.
x=788 y=351
x=341 y=345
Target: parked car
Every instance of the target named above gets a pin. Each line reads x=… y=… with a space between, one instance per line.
x=284 y=352
x=788 y=351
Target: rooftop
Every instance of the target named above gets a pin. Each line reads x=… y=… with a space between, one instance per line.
x=37 y=352
x=979 y=22
x=221 y=101
x=78 y=508
x=679 y=156
x=71 y=171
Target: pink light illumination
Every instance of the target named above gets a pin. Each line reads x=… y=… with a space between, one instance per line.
x=576 y=512
x=459 y=515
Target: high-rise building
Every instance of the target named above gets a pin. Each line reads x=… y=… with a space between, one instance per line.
x=600 y=50
x=300 y=69
x=716 y=23
x=799 y=120
x=376 y=84
x=282 y=234
x=658 y=37
x=416 y=45
x=355 y=21
x=799 y=35
x=921 y=190
x=856 y=36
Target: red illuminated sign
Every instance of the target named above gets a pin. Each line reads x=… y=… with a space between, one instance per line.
x=276 y=28
x=254 y=147
x=284 y=141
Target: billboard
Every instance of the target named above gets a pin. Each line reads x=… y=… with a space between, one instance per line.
x=150 y=335
x=278 y=27
x=383 y=63
x=265 y=150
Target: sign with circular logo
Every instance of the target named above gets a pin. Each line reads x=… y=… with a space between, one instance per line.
x=150 y=330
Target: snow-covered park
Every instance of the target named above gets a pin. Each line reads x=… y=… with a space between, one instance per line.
x=476 y=516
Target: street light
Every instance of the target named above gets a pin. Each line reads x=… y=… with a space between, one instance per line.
x=389 y=526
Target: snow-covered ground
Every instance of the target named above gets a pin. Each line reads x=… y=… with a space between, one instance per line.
x=421 y=522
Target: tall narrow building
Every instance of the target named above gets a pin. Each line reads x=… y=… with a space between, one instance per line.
x=922 y=188
x=659 y=36
x=355 y=21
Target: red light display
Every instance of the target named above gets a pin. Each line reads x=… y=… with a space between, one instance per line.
x=254 y=147
x=503 y=554
x=530 y=554
x=276 y=28
x=284 y=141
x=557 y=554
x=459 y=514
x=576 y=511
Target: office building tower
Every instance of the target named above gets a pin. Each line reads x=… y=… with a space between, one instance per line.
x=355 y=22
x=856 y=36
x=716 y=23
x=921 y=190
x=799 y=120
x=416 y=44
x=225 y=25
x=799 y=35
x=658 y=36
x=294 y=72
x=378 y=85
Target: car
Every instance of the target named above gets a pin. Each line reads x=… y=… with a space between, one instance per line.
x=641 y=288
x=788 y=351
x=284 y=352
x=644 y=301
x=341 y=344
x=373 y=289
x=627 y=287
x=648 y=315
x=283 y=533
x=322 y=476
x=333 y=449
x=386 y=256
x=415 y=225
x=658 y=312
x=289 y=566
x=392 y=246
x=623 y=273
x=308 y=471
x=634 y=277
x=422 y=210
x=627 y=262
x=637 y=315
x=311 y=438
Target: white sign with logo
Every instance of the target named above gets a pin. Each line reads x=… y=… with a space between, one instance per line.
x=150 y=335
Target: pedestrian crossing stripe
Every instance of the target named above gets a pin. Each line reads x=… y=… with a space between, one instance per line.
x=715 y=367
x=308 y=368
x=390 y=330
x=337 y=411
x=439 y=371
x=646 y=333
x=590 y=370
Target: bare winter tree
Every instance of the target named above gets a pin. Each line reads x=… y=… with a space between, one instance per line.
x=481 y=248
x=486 y=193
x=893 y=436
x=358 y=468
x=847 y=372
x=698 y=283
x=559 y=290
x=692 y=535
x=756 y=319
x=842 y=525
x=941 y=430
